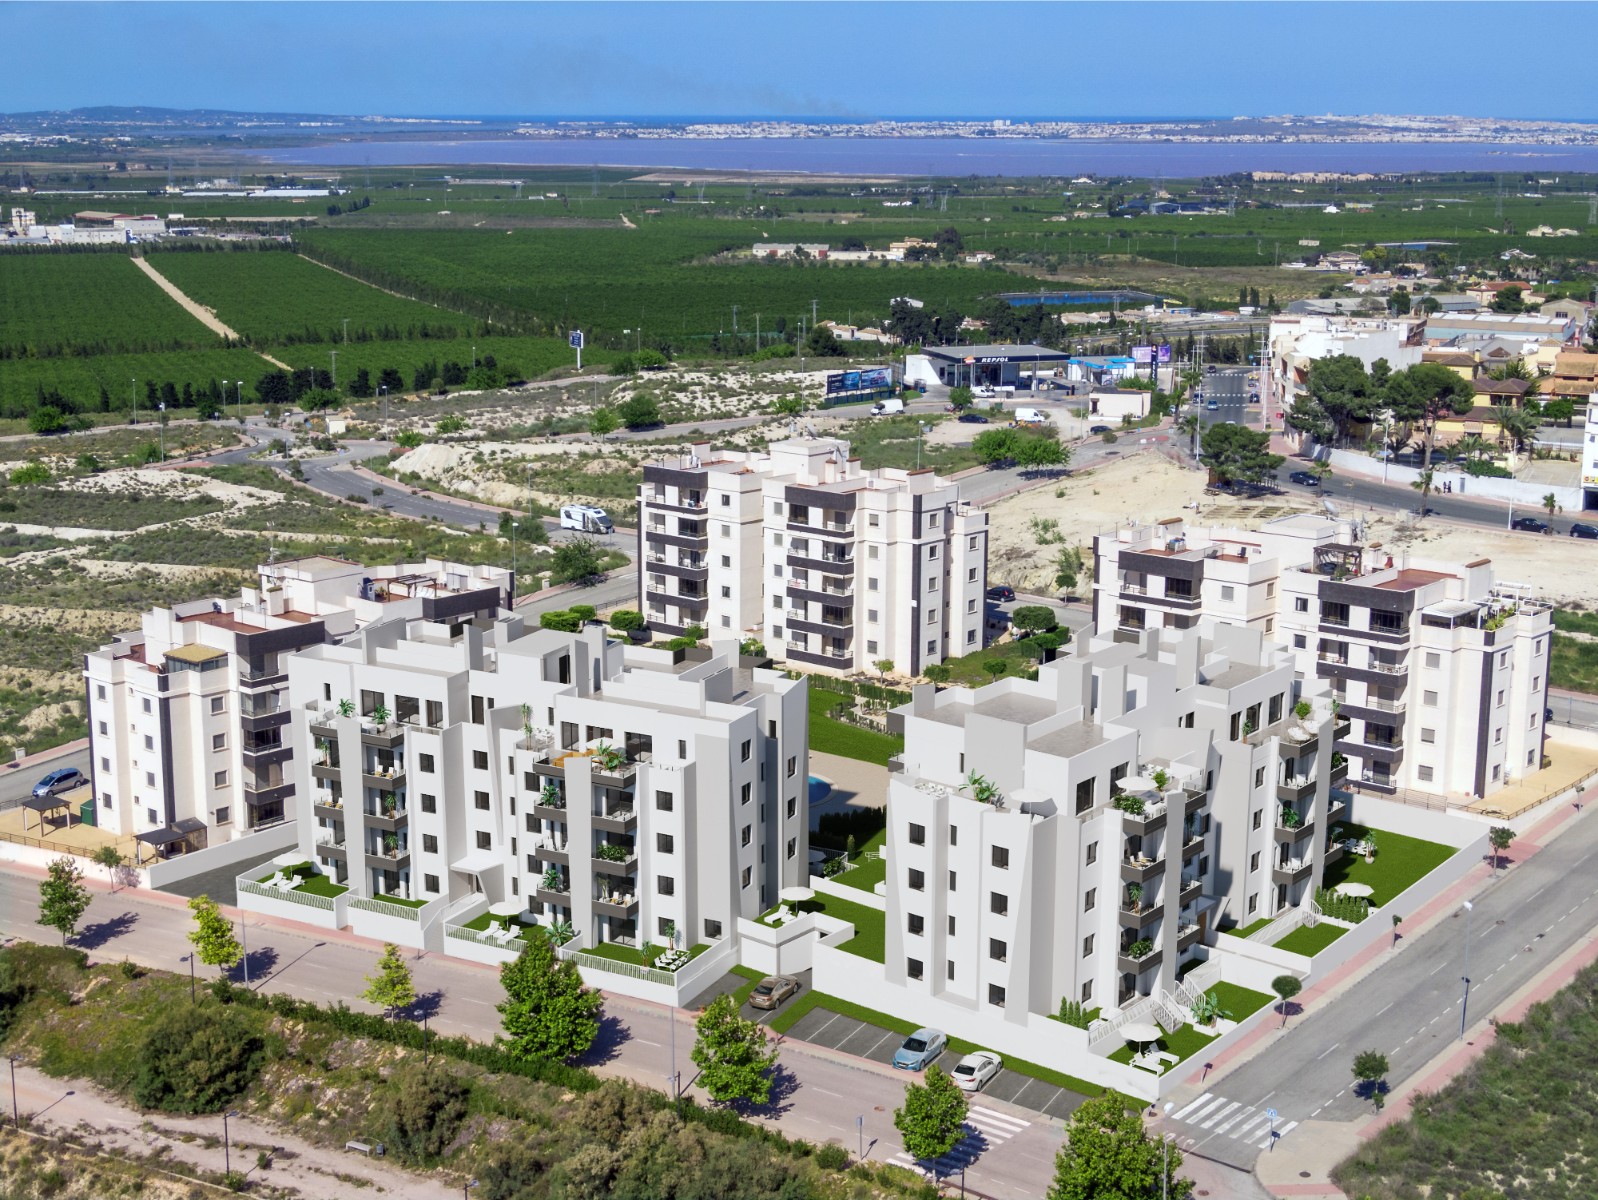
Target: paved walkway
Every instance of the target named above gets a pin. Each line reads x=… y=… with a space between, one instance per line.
x=1570 y=767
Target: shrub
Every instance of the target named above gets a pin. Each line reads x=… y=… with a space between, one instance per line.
x=195 y=1058
x=583 y=612
x=562 y=620
x=831 y=1157
x=424 y=1111
x=626 y=620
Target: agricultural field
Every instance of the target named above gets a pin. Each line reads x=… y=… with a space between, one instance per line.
x=104 y=383
x=53 y=305
x=515 y=357
x=277 y=298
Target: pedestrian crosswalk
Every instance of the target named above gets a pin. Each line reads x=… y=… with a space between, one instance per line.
x=984 y=1129
x=1216 y=1116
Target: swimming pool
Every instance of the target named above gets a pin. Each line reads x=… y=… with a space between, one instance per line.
x=820 y=789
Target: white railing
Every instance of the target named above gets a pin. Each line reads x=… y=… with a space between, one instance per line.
x=1312 y=913
x=481 y=936
x=310 y=899
x=1141 y=1009
x=1197 y=982
x=388 y=908
x=572 y=952
x=1280 y=927
x=1171 y=1015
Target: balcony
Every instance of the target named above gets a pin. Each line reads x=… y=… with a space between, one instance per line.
x=1136 y=966
x=1141 y=870
x=329 y=848
x=392 y=782
x=1192 y=846
x=388 y=860
x=1292 y=833
x=388 y=820
x=824 y=564
x=266 y=754
x=257 y=794
x=1334 y=853
x=327 y=807
x=617 y=904
x=1142 y=916
x=559 y=897
x=1338 y=773
x=326 y=770
x=1295 y=788
x=819 y=657
x=617 y=820
x=822 y=528
x=1291 y=871
x=1190 y=890
x=624 y=868
x=1150 y=820
x=1194 y=800
x=803 y=593
x=1186 y=936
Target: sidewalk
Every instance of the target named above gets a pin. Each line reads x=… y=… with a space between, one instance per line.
x=43 y=756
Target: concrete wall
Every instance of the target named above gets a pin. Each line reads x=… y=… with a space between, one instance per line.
x=251 y=845
x=687 y=982
x=1433 y=825
x=1531 y=495
x=285 y=909
x=843 y=891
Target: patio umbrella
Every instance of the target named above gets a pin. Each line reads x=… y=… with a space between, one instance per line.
x=1361 y=890
x=505 y=908
x=289 y=858
x=796 y=896
x=1140 y=1033
x=1138 y=783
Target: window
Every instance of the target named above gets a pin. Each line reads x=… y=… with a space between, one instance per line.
x=953 y=880
x=998 y=951
x=429 y=843
x=1227 y=591
x=917 y=880
x=1500 y=698
x=743 y=837
x=726 y=592
x=1001 y=858
x=1433 y=659
x=430 y=882
x=995 y=995
x=1253 y=903
x=1424 y=773
x=424 y=763
x=791 y=766
x=149 y=742
x=664 y=843
x=747 y=875
x=1087 y=946
x=1270 y=591
x=1428 y=735
x=1259 y=814
x=1429 y=699
x=913 y=924
x=871 y=552
x=712 y=930
x=1536 y=684
x=663 y=801
x=951 y=926
x=793 y=804
x=1299 y=641
x=480 y=800
x=485 y=841
x=219 y=779
x=1087 y=991
x=1498 y=736
x=954 y=835
x=146 y=703
x=1089 y=899
x=932 y=645
x=933 y=520
x=932 y=553
x=971 y=572
x=223 y=815
x=998 y=904
x=480 y=760
x=918 y=834
x=744 y=793
x=99 y=691
x=912 y=968
x=665 y=885
x=871 y=585
x=1254 y=861
x=1301 y=604
x=871 y=647
x=429 y=803
x=1531 y=721
x=149 y=779
x=1084 y=794
x=1093 y=853
x=218 y=704
x=1503 y=659
x=104 y=731
x=1259 y=776
x=793 y=846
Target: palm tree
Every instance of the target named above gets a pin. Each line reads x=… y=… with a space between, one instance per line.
x=1471 y=446
x=1551 y=503
x=1423 y=485
x=1321 y=470
x=1515 y=425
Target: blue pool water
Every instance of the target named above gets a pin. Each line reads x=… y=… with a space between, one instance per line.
x=819 y=789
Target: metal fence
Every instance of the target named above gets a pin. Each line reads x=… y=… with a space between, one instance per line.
x=387 y=907
x=616 y=967
x=294 y=896
x=481 y=937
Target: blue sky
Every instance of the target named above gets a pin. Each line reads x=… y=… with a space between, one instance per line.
x=809 y=60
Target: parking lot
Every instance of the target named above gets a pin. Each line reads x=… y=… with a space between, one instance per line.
x=852 y=1036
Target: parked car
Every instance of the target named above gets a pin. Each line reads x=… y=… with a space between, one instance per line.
x=1583 y=530
x=920 y=1050
x=60 y=781
x=975 y=1069
x=973 y=418
x=1305 y=478
x=1530 y=525
x=772 y=991
x=1001 y=592
x=1101 y=429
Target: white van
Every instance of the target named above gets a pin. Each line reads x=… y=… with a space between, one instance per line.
x=891 y=405
x=586 y=518
x=1030 y=416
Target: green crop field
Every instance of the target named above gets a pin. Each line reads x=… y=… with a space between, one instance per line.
x=529 y=356
x=54 y=305
x=278 y=298
x=80 y=380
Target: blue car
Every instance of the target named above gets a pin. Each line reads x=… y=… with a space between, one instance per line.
x=60 y=781
x=919 y=1050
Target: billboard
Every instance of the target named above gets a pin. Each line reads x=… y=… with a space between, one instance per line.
x=870 y=379
x=1150 y=354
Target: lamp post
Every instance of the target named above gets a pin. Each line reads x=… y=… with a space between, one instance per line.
x=1464 y=1004
x=16 y=1114
x=189 y=958
x=466 y=1188
x=333 y=354
x=241 y=403
x=514 y=526
x=227 y=1147
x=382 y=396
x=161 y=421
x=133 y=387
x=1165 y=1153
x=244 y=939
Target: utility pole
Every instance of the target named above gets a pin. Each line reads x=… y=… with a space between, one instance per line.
x=813 y=304
x=333 y=354
x=346 y=331
x=133 y=385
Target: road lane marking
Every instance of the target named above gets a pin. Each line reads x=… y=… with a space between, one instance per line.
x=1222 y=1113
x=1384 y=1009
x=1182 y=1115
x=1323 y=1054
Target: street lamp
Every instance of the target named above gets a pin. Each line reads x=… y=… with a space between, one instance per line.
x=466 y=1188
x=227 y=1148
x=16 y=1115
x=133 y=386
x=514 y=526
x=382 y=395
x=189 y=958
x=161 y=420
x=1165 y=1154
x=1464 y=1003
x=241 y=403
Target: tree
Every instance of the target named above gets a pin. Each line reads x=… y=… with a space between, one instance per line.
x=1370 y=1068
x=1500 y=836
x=1561 y=409
x=318 y=399
x=1286 y=987
x=961 y=398
x=1237 y=454
x=820 y=342
x=547 y=1012
x=1424 y=394
x=788 y=406
x=627 y=620
x=390 y=986
x=1039 y=618
x=1551 y=503
x=208 y=408
x=89 y=464
x=937 y=672
x=46 y=420
x=1342 y=391
x=212 y=936
x=196 y=1058
x=1399 y=301
x=392 y=380
x=1108 y=1155
x=424 y=1111
x=1423 y=485
x=561 y=620
x=640 y=412
x=1515 y=425
x=62 y=897
x=275 y=388
x=995 y=666
x=361 y=386
x=601 y=422
x=734 y=1056
x=111 y=859
x=932 y=1118
x=578 y=560
x=883 y=666
x=1508 y=300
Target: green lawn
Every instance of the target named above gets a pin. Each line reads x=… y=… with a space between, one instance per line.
x=1243 y=931
x=867 y=872
x=1400 y=862
x=750 y=977
x=321 y=885
x=788 y=1016
x=849 y=741
x=1241 y=1002
x=483 y=922
x=639 y=956
x=972 y=671
x=1305 y=940
x=401 y=901
x=870 y=938
x=1185 y=1043
x=1572 y=663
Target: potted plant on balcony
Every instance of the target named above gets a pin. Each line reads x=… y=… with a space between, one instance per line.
x=1134 y=897
x=1290 y=818
x=982 y=789
x=550 y=796
x=391 y=845
x=1139 y=949
x=614 y=852
x=346 y=708
x=1207 y=1010
x=1370 y=847
x=389 y=805
x=1248 y=728
x=380 y=716
x=609 y=758
x=551 y=880
x=560 y=932
x=527 y=721
x=1302 y=710
x=1132 y=805
x=1161 y=777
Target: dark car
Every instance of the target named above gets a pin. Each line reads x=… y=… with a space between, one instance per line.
x=1100 y=429
x=1583 y=530
x=1305 y=478
x=1001 y=592
x=1211 y=369
x=1530 y=525
x=971 y=418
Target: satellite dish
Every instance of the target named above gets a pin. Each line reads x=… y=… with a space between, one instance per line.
x=810 y=428
x=1331 y=509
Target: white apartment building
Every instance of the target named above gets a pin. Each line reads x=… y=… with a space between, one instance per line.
x=1442 y=670
x=637 y=794
x=188 y=714
x=1144 y=794
x=829 y=565
x=1589 y=457
x=1295 y=342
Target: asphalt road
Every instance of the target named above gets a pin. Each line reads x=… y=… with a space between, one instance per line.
x=1409 y=1007
x=16 y=783
x=1227 y=389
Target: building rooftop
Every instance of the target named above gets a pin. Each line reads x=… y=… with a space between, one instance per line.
x=997 y=350
x=1015 y=707
x=1073 y=739
x=1411 y=578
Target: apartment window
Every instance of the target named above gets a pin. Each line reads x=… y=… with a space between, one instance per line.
x=913 y=924
x=1424 y=774
x=429 y=843
x=664 y=843
x=1498 y=772
x=1428 y=735
x=1093 y=853
x=776 y=508
x=1500 y=697
x=934 y=520
x=105 y=801
x=1498 y=736
x=480 y=760
x=1089 y=899
x=793 y=804
x=146 y=703
x=219 y=780
x=998 y=904
x=1084 y=794
x=995 y=995
x=480 y=800
x=1536 y=650
x=1429 y=699
x=1536 y=684
x=663 y=801
x=149 y=742
x=1270 y=591
x=1001 y=858
x=430 y=882
x=745 y=792
x=726 y=593
x=1254 y=861
x=1531 y=721
x=1259 y=776
x=1227 y=591
x=954 y=835
x=712 y=930
x=743 y=837
x=873 y=519
x=970 y=637
x=149 y=816
x=99 y=691
x=665 y=885
x=1253 y=903
x=747 y=875
x=953 y=879
x=682 y=749
x=793 y=846
x=1270 y=624
x=104 y=731
x=149 y=779
x=1087 y=991
x=1259 y=814
x=871 y=647
x=1301 y=604
x=932 y=553
x=218 y=704
x=223 y=815
x=790 y=766
x=918 y=880
x=871 y=552
x=726 y=560
x=484 y=840
x=743 y=751
x=871 y=585
x=429 y=803
x=1503 y=659
x=912 y=968
x=949 y=968
x=1433 y=660
x=1087 y=946
x=918 y=835
x=971 y=574
x=1300 y=642
x=776 y=572
x=998 y=951
x=970 y=606
x=932 y=644
x=424 y=763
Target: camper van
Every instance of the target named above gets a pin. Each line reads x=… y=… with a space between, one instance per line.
x=586 y=518
x=1031 y=416
x=891 y=405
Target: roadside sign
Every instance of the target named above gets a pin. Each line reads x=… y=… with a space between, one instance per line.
x=1271 y=1113
x=576 y=339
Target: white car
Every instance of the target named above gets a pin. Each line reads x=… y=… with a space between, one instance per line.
x=975 y=1070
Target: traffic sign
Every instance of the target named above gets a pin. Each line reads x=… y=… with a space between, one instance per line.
x=576 y=339
x=1271 y=1113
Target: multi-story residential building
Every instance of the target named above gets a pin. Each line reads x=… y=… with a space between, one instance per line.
x=1443 y=671
x=633 y=793
x=829 y=565
x=1295 y=342
x=1074 y=837
x=188 y=714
